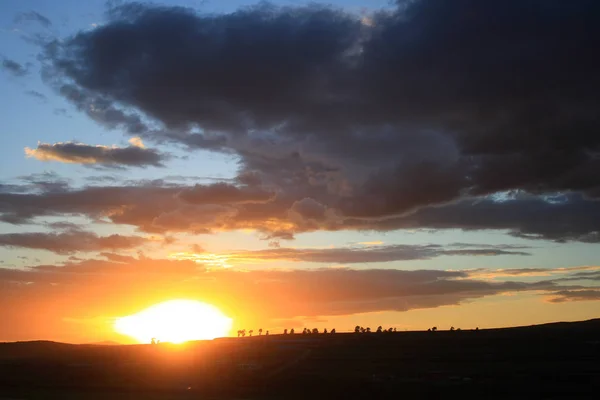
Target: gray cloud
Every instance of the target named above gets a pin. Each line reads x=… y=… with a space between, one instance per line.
x=70 y=241
x=37 y=95
x=14 y=67
x=46 y=182
x=409 y=121
x=157 y=206
x=331 y=74
x=576 y=295
x=223 y=193
x=567 y=218
x=371 y=254
x=79 y=153
x=34 y=17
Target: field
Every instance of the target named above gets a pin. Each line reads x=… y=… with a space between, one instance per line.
x=546 y=361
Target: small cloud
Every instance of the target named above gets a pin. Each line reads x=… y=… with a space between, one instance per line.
x=80 y=153
x=37 y=95
x=14 y=67
x=32 y=16
x=373 y=243
x=137 y=142
x=61 y=111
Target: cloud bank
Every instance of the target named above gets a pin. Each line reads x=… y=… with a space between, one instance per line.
x=426 y=112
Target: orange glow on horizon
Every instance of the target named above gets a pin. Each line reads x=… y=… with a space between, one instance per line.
x=175 y=321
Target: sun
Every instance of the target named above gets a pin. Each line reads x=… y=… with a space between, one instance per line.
x=175 y=321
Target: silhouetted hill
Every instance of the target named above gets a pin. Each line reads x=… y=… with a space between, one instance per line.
x=558 y=360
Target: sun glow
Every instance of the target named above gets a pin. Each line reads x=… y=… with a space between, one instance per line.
x=175 y=321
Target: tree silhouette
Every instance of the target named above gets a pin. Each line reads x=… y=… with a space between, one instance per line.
x=325 y=330
x=260 y=332
x=429 y=330
x=315 y=331
x=267 y=333
x=368 y=330
x=477 y=328
x=250 y=332
x=333 y=330
x=285 y=331
x=304 y=331
x=357 y=329
x=434 y=329
x=379 y=329
x=243 y=333
x=292 y=331
x=451 y=329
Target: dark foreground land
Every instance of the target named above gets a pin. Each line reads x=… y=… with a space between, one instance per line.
x=546 y=361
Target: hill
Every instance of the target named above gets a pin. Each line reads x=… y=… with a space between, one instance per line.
x=557 y=360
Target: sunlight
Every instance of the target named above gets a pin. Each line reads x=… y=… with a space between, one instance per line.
x=206 y=259
x=175 y=321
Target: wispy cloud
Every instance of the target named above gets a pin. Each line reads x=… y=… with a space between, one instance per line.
x=33 y=16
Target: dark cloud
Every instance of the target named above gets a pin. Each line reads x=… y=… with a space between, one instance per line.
x=79 y=153
x=371 y=254
x=396 y=123
x=70 y=242
x=568 y=218
x=102 y=111
x=157 y=206
x=33 y=16
x=46 y=182
x=14 y=67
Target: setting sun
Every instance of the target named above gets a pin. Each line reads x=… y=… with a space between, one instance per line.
x=175 y=321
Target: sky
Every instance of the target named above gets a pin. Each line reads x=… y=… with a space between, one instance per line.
x=296 y=164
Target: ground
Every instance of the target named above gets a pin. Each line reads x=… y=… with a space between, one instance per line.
x=547 y=361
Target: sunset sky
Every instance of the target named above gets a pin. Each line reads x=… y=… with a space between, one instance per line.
x=361 y=162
